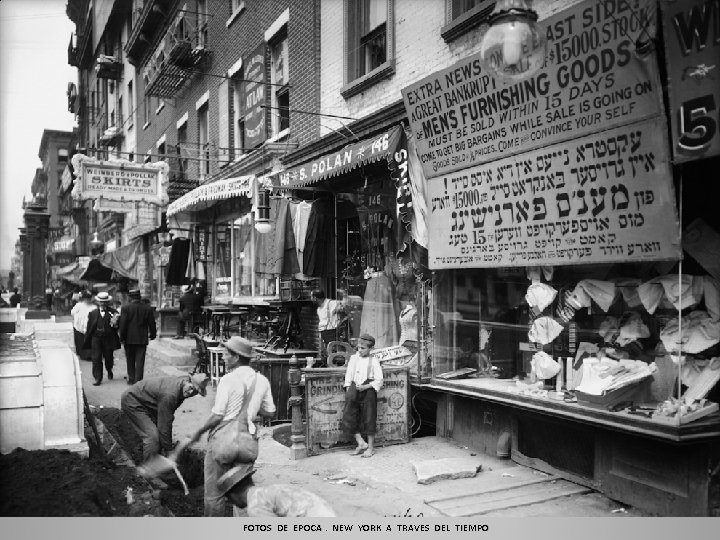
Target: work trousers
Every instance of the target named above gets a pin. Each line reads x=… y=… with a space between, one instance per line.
x=101 y=351
x=135 y=355
x=143 y=423
x=214 y=500
x=360 y=415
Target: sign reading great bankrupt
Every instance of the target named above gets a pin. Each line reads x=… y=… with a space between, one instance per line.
x=603 y=198
x=692 y=45
x=593 y=79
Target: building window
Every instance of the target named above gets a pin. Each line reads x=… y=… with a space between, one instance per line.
x=146 y=104
x=237 y=128
x=202 y=18
x=62 y=155
x=279 y=80
x=204 y=140
x=464 y=15
x=369 y=32
x=131 y=104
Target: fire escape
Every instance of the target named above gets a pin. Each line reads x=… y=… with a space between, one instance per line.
x=178 y=56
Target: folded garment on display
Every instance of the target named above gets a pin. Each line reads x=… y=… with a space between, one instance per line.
x=544 y=330
x=692 y=334
x=604 y=375
x=540 y=295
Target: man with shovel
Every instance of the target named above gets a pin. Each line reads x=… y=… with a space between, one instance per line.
x=242 y=395
x=150 y=407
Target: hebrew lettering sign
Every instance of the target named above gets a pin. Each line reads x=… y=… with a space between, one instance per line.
x=602 y=198
x=593 y=79
x=325 y=400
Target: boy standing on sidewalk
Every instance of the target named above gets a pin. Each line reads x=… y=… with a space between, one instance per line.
x=363 y=380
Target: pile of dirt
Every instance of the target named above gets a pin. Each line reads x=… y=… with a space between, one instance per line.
x=60 y=483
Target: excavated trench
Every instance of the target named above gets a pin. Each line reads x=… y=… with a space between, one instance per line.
x=190 y=465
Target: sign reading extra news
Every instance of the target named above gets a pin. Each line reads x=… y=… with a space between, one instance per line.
x=119 y=181
x=593 y=79
x=692 y=45
x=603 y=198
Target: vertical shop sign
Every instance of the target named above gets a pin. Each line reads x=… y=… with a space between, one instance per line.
x=255 y=128
x=202 y=242
x=603 y=198
x=593 y=79
x=692 y=51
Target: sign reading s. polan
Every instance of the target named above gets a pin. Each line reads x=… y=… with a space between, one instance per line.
x=593 y=79
x=603 y=198
x=692 y=46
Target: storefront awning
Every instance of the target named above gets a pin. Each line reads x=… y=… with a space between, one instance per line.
x=206 y=195
x=346 y=159
x=73 y=272
x=123 y=261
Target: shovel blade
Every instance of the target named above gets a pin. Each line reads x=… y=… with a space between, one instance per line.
x=156 y=466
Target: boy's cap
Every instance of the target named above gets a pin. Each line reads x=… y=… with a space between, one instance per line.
x=368 y=338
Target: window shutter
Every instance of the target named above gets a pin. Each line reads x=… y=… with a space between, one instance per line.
x=224 y=122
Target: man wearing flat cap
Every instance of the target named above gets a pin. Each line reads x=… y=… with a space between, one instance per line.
x=137 y=327
x=274 y=500
x=150 y=407
x=101 y=337
x=240 y=383
x=189 y=306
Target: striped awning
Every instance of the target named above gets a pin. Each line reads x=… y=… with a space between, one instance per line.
x=208 y=194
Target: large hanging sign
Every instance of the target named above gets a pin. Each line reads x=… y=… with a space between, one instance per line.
x=255 y=129
x=120 y=180
x=603 y=198
x=692 y=51
x=593 y=80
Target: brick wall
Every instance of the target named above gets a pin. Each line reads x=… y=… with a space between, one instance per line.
x=227 y=44
x=419 y=51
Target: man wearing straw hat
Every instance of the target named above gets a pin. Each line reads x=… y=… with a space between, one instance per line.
x=150 y=407
x=239 y=384
x=101 y=337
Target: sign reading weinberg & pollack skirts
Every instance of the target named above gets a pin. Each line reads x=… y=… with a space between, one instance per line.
x=120 y=181
x=603 y=198
x=692 y=47
x=593 y=79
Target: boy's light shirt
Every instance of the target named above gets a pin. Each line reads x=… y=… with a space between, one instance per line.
x=357 y=371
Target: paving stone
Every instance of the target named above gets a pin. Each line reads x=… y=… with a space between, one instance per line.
x=432 y=470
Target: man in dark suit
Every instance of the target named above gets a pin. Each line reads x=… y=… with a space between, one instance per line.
x=190 y=304
x=137 y=323
x=101 y=337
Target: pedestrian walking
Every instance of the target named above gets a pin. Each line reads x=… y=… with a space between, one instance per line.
x=137 y=327
x=15 y=298
x=150 y=407
x=242 y=389
x=80 y=313
x=363 y=380
x=101 y=337
x=49 y=298
x=274 y=500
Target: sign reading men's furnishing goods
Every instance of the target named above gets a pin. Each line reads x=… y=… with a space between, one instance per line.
x=120 y=180
x=692 y=51
x=603 y=198
x=593 y=79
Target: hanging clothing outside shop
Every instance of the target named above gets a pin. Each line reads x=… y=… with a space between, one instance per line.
x=379 y=317
x=275 y=252
x=318 y=259
x=177 y=266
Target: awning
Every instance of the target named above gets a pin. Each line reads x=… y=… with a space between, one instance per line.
x=353 y=155
x=206 y=195
x=122 y=261
x=73 y=272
